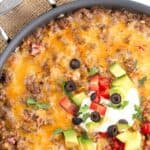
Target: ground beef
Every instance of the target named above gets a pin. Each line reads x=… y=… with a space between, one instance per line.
x=33 y=86
x=146 y=109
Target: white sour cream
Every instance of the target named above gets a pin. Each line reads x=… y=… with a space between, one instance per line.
x=113 y=115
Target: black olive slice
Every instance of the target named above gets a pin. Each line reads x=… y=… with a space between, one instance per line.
x=115 y=98
x=70 y=86
x=95 y=116
x=76 y=120
x=75 y=63
x=112 y=130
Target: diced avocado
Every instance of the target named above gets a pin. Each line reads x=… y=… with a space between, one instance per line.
x=78 y=98
x=86 y=144
x=70 y=138
x=117 y=70
x=92 y=126
x=131 y=139
x=122 y=127
x=124 y=82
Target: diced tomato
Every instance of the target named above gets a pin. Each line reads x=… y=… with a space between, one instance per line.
x=68 y=106
x=145 y=128
x=97 y=99
x=117 y=145
x=104 y=83
x=98 y=107
x=105 y=93
x=94 y=83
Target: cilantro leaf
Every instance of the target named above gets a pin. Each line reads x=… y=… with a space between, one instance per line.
x=92 y=71
x=57 y=131
x=31 y=101
x=85 y=116
x=42 y=106
x=83 y=109
x=138 y=114
x=142 y=80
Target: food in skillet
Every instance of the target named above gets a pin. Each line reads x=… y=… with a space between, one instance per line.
x=79 y=83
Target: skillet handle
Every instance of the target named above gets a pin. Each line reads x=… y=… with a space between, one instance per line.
x=52 y=3
x=4 y=35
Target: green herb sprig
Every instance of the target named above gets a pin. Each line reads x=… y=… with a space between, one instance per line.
x=138 y=114
x=37 y=105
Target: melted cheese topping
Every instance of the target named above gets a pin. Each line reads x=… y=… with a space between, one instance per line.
x=92 y=41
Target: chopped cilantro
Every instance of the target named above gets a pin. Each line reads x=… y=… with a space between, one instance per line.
x=92 y=71
x=83 y=109
x=142 y=80
x=57 y=131
x=37 y=105
x=138 y=114
x=85 y=116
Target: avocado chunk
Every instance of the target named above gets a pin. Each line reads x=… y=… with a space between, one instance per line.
x=92 y=126
x=122 y=127
x=132 y=140
x=124 y=82
x=86 y=144
x=117 y=70
x=70 y=138
x=78 y=98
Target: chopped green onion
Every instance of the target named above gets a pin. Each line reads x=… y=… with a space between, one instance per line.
x=92 y=71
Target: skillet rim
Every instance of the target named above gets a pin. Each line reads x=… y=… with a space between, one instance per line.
x=66 y=8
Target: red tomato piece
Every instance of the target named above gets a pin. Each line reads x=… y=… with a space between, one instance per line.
x=117 y=145
x=145 y=128
x=104 y=83
x=68 y=106
x=94 y=83
x=105 y=93
x=98 y=107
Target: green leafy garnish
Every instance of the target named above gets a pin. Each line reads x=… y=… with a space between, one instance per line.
x=83 y=109
x=138 y=114
x=37 y=105
x=92 y=71
x=42 y=105
x=85 y=116
x=57 y=131
x=31 y=101
x=142 y=80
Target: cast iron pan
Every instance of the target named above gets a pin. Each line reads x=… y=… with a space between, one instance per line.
x=45 y=18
